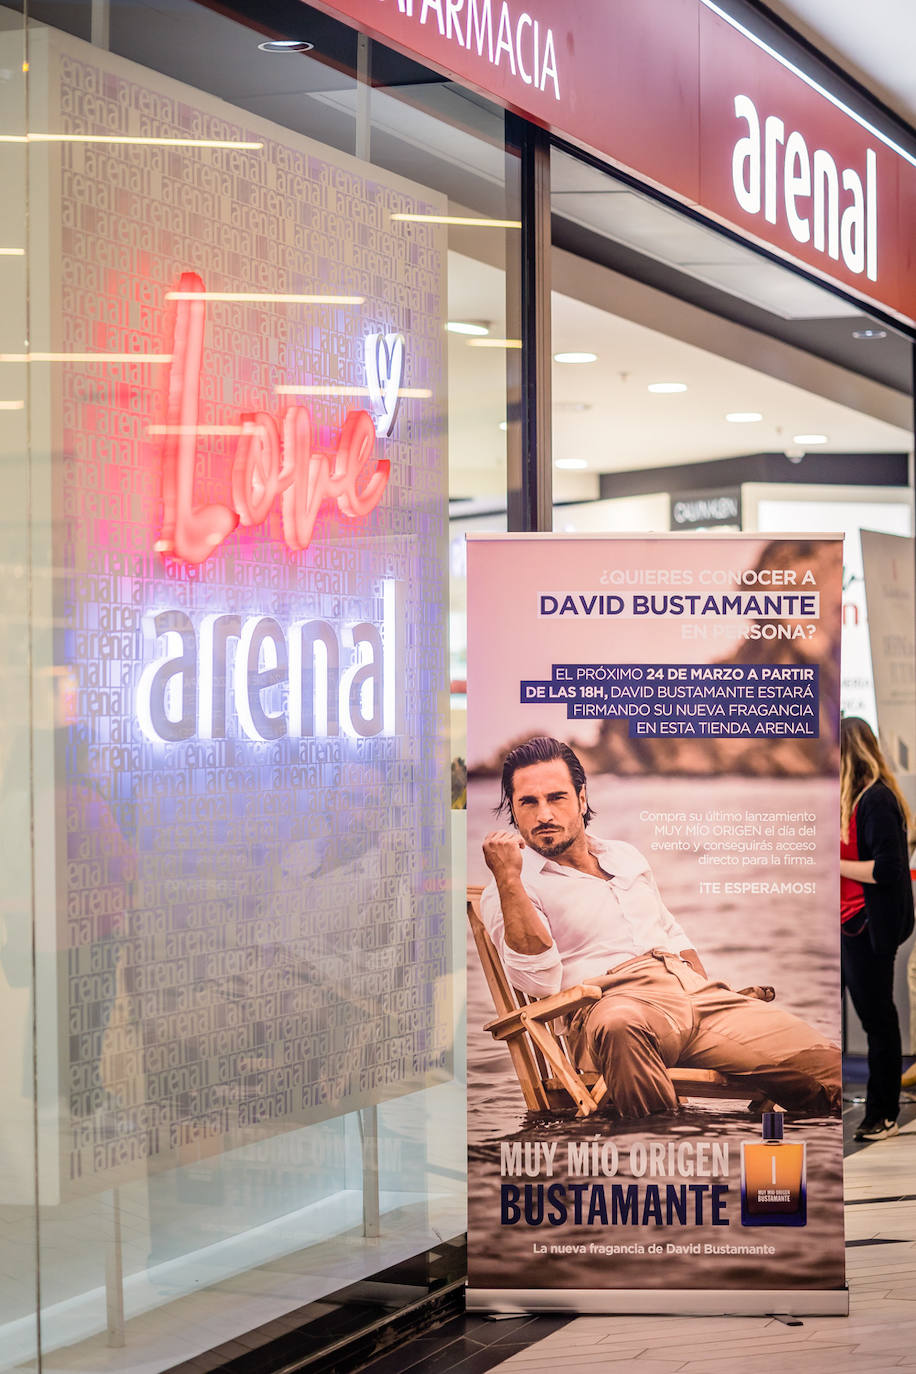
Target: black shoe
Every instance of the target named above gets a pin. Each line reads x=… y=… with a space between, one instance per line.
x=876 y=1130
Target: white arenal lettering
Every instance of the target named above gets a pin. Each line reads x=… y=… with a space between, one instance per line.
x=746 y=158
x=797 y=184
x=510 y=40
x=778 y=174
x=826 y=203
x=314 y=678
x=774 y=134
x=852 y=225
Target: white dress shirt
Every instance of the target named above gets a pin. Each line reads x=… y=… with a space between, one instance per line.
x=595 y=923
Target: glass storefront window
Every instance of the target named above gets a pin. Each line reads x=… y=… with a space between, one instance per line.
x=18 y=591
x=262 y=277
x=682 y=398
x=227 y=750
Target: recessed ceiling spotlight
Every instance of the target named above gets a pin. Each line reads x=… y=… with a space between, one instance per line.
x=809 y=439
x=285 y=45
x=666 y=388
x=869 y=333
x=570 y=463
x=743 y=417
x=575 y=357
x=504 y=425
x=477 y=331
x=795 y=455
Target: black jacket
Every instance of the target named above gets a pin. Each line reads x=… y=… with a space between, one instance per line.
x=881 y=836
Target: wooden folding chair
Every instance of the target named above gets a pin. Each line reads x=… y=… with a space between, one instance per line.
x=544 y=1065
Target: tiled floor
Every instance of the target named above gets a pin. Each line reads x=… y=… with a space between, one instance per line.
x=878 y=1335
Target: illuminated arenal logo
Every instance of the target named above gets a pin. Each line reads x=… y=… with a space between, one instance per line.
x=253 y=677
x=776 y=173
x=273 y=458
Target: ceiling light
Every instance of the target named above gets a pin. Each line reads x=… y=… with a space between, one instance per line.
x=285 y=45
x=666 y=388
x=808 y=439
x=466 y=327
x=504 y=425
x=743 y=417
x=274 y=297
x=460 y=219
x=12 y=405
x=85 y=357
x=12 y=252
x=869 y=333
x=158 y=431
x=575 y=357
x=409 y=393
x=494 y=343
x=570 y=463
x=128 y=139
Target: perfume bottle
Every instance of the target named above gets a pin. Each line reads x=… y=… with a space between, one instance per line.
x=773 y=1187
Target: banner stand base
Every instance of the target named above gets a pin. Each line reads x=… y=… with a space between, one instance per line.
x=681 y=1302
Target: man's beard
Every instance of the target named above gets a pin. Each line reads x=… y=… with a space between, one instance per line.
x=548 y=850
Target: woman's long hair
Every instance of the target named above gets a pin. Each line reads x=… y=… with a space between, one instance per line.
x=861 y=764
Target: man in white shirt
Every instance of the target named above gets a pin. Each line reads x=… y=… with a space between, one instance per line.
x=565 y=908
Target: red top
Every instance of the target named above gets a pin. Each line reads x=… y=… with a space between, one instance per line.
x=852 y=894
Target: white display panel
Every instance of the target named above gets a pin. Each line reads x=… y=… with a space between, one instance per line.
x=242 y=828
x=857 y=688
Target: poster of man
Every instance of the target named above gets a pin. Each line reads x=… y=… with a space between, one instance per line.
x=652 y=747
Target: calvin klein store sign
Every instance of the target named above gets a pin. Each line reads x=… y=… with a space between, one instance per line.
x=703 y=510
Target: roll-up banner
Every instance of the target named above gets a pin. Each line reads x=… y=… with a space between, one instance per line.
x=654 y=1076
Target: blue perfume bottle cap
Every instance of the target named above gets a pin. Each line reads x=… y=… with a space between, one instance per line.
x=772 y=1125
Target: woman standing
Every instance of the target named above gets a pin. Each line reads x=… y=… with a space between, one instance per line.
x=876 y=910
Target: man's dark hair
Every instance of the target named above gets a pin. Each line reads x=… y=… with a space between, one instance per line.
x=542 y=749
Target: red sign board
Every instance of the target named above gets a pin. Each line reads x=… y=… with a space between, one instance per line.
x=682 y=96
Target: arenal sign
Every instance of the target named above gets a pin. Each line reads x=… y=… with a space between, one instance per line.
x=681 y=94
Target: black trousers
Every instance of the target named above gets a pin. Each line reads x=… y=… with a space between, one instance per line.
x=870 y=980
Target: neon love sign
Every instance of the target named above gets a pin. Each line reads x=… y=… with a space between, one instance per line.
x=271 y=459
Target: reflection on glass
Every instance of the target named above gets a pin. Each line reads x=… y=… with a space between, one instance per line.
x=232 y=785
x=18 y=1203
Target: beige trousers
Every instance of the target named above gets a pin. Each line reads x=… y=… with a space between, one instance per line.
x=657 y=1013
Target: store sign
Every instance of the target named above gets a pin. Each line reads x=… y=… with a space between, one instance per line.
x=279 y=682
x=654 y=87
x=510 y=39
x=702 y=510
x=777 y=175
x=272 y=458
